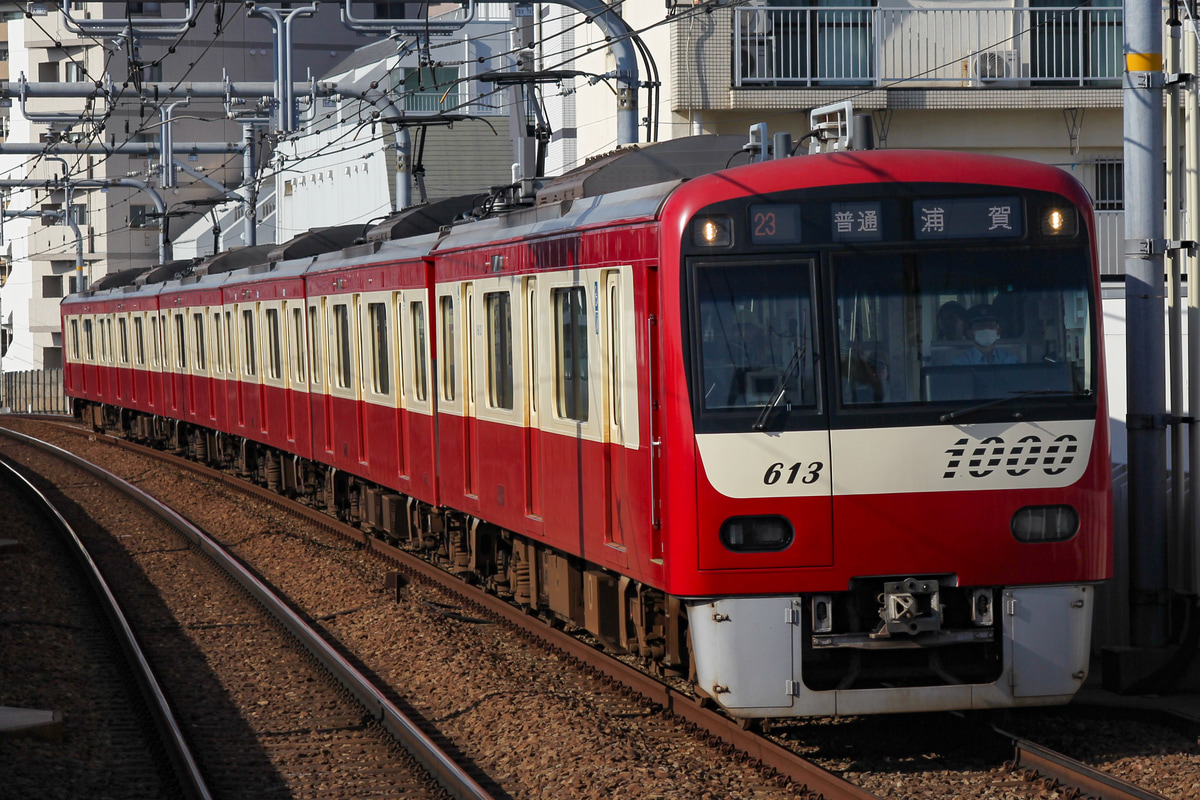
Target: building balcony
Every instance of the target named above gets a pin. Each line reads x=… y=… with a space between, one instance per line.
x=930 y=47
x=939 y=57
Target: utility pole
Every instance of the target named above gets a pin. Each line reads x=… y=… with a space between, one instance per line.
x=1144 y=307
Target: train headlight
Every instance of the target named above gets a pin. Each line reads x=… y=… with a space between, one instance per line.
x=1045 y=524
x=712 y=231
x=756 y=534
x=1059 y=221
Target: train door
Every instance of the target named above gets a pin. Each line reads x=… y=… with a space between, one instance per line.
x=124 y=377
x=533 y=456
x=239 y=369
x=318 y=390
x=471 y=432
x=614 y=395
x=361 y=330
x=217 y=383
x=153 y=349
x=202 y=371
x=402 y=420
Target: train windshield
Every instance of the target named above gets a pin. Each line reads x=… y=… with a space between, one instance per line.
x=961 y=327
x=755 y=336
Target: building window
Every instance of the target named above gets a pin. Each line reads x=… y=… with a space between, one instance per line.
x=430 y=89
x=571 y=357
x=500 y=355
x=1110 y=184
x=75 y=72
x=48 y=72
x=142 y=217
x=52 y=358
x=52 y=286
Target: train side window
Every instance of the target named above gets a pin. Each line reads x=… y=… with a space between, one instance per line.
x=123 y=327
x=398 y=307
x=109 y=352
x=218 y=345
x=531 y=310
x=139 y=341
x=420 y=375
x=298 y=340
x=201 y=341
x=499 y=349
x=154 y=341
x=571 y=356
x=89 y=340
x=447 y=349
x=229 y=347
x=180 y=343
x=75 y=339
x=314 y=341
x=274 y=348
x=378 y=319
x=250 y=365
x=343 y=373
x=614 y=348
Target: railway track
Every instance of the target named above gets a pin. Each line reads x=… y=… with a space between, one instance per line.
x=1049 y=771
x=146 y=749
x=352 y=732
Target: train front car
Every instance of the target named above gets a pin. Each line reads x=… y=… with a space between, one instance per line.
x=886 y=484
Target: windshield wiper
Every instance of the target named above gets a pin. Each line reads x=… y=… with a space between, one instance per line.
x=962 y=412
x=780 y=389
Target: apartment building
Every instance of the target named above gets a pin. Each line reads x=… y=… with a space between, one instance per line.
x=119 y=227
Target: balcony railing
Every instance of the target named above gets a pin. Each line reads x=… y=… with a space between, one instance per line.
x=804 y=46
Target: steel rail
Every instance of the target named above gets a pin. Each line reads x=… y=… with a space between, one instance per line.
x=803 y=773
x=1069 y=772
x=187 y=772
x=445 y=770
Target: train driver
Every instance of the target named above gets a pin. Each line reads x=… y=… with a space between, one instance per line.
x=983 y=329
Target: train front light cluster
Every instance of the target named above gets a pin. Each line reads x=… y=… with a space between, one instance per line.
x=756 y=534
x=1045 y=523
x=1059 y=221
x=714 y=231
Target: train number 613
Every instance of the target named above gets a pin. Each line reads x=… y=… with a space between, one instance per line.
x=776 y=470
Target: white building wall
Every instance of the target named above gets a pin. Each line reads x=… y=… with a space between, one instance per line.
x=333 y=183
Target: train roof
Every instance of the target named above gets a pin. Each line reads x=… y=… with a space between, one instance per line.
x=630 y=205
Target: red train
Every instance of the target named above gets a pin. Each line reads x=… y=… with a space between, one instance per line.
x=827 y=433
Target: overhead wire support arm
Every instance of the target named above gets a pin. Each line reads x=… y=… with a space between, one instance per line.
x=70 y=118
x=285 y=93
x=142 y=26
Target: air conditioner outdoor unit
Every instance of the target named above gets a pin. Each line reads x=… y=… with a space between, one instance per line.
x=993 y=68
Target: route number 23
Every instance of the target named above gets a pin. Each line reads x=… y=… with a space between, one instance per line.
x=809 y=474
